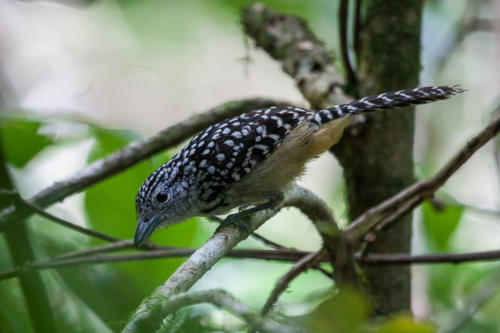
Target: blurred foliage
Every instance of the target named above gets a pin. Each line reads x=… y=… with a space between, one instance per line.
x=90 y=298
x=405 y=324
x=99 y=298
x=22 y=140
x=350 y=312
x=450 y=285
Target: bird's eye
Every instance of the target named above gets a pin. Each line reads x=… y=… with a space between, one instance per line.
x=161 y=197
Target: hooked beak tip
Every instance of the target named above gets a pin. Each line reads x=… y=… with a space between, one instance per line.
x=144 y=229
x=139 y=240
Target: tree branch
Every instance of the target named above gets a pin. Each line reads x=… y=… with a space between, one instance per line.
x=435 y=258
x=423 y=189
x=301 y=198
x=203 y=259
x=131 y=154
x=93 y=257
x=279 y=254
x=339 y=251
x=34 y=208
x=221 y=299
x=289 y=40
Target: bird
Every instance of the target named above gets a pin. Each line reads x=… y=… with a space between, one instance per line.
x=253 y=159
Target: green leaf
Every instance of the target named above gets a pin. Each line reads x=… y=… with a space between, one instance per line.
x=405 y=324
x=440 y=224
x=346 y=312
x=110 y=208
x=22 y=140
x=13 y=315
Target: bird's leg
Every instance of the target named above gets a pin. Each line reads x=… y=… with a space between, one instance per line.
x=235 y=219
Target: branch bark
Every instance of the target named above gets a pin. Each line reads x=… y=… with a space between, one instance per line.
x=200 y=262
x=224 y=300
x=289 y=40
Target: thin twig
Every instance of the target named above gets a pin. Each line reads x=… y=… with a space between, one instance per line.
x=280 y=255
x=299 y=267
x=97 y=256
x=303 y=199
x=268 y=242
x=58 y=220
x=421 y=189
x=343 y=14
x=132 y=154
x=119 y=245
x=435 y=258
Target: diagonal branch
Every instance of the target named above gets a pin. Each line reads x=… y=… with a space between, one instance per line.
x=224 y=300
x=289 y=40
x=423 y=189
x=299 y=267
x=202 y=260
x=132 y=154
x=38 y=210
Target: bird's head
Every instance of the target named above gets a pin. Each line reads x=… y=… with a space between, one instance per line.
x=161 y=200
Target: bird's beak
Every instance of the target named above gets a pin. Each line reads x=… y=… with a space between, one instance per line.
x=145 y=228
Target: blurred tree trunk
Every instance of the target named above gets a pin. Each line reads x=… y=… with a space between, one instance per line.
x=378 y=161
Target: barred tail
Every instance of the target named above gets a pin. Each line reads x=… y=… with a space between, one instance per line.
x=390 y=100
